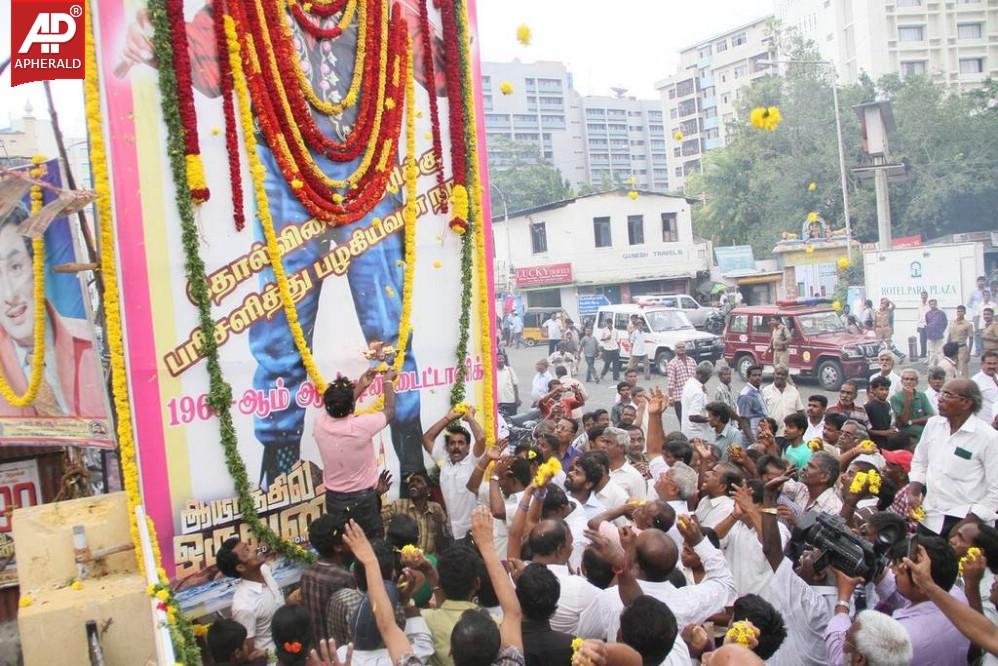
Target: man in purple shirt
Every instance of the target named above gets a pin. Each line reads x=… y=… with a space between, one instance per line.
x=935 y=641
x=935 y=330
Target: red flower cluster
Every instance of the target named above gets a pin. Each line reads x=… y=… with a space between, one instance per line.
x=228 y=108
x=429 y=71
x=455 y=102
x=313 y=28
x=276 y=121
x=185 y=89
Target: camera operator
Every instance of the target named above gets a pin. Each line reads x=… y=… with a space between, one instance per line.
x=934 y=639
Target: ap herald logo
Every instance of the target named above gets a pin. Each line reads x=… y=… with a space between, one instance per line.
x=47 y=37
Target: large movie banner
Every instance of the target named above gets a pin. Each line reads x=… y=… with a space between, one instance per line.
x=71 y=404
x=347 y=282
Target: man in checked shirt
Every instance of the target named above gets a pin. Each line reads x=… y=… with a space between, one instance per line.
x=328 y=64
x=677 y=372
x=328 y=575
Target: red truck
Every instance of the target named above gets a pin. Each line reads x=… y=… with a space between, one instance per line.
x=820 y=346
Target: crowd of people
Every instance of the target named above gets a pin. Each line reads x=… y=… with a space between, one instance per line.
x=602 y=538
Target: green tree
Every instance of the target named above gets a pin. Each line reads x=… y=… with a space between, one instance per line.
x=756 y=188
x=524 y=179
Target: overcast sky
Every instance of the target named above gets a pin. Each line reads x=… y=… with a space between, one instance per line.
x=615 y=43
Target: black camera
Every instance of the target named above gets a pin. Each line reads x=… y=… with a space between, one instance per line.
x=840 y=548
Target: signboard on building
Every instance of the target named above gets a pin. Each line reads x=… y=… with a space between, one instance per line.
x=19 y=487
x=734 y=259
x=588 y=305
x=907 y=241
x=540 y=276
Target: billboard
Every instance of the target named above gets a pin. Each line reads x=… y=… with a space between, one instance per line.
x=71 y=405
x=539 y=276
x=347 y=282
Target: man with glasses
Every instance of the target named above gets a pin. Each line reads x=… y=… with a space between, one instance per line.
x=954 y=473
x=847 y=405
x=912 y=408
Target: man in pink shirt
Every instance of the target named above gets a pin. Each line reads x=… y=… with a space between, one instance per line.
x=350 y=470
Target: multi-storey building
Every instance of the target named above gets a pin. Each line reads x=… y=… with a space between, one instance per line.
x=700 y=98
x=594 y=140
x=955 y=42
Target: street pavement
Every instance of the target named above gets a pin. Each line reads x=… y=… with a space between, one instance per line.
x=603 y=394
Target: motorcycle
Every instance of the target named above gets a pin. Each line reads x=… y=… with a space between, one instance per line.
x=715 y=323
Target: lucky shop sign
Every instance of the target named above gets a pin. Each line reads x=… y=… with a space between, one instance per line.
x=537 y=276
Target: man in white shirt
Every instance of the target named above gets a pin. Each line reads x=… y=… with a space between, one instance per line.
x=607 y=492
x=718 y=484
x=655 y=558
x=694 y=403
x=456 y=460
x=742 y=546
x=551 y=545
x=781 y=397
x=516 y=328
x=507 y=386
x=923 y=307
x=580 y=482
x=614 y=442
x=955 y=466
x=887 y=370
x=937 y=377
x=987 y=381
x=539 y=386
x=553 y=328
x=816 y=406
x=819 y=476
x=257 y=596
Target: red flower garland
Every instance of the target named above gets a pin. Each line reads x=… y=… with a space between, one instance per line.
x=185 y=87
x=228 y=108
x=431 y=77
x=312 y=28
x=326 y=9
x=455 y=98
x=310 y=189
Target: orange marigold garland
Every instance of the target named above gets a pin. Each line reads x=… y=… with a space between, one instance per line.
x=228 y=109
x=185 y=98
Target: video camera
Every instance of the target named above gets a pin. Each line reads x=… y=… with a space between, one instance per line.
x=840 y=548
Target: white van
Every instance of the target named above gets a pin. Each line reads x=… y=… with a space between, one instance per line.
x=665 y=327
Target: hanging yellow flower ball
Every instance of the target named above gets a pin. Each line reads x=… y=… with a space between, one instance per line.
x=837 y=306
x=632 y=180
x=808 y=249
x=76 y=585
x=812 y=186
x=437 y=263
x=812 y=216
x=742 y=632
x=843 y=263
x=506 y=88
x=766 y=118
x=815 y=444
x=678 y=136
x=410 y=550
x=633 y=194
x=523 y=34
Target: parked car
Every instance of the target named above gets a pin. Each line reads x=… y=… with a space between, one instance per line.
x=696 y=313
x=532 y=320
x=665 y=327
x=819 y=346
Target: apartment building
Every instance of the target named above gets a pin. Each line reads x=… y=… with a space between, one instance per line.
x=700 y=98
x=955 y=42
x=599 y=140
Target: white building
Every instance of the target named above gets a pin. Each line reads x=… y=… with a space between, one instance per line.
x=700 y=97
x=955 y=42
x=601 y=244
x=594 y=140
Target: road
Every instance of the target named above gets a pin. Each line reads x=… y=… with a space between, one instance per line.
x=602 y=394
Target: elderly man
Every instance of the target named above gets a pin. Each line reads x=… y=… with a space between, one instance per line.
x=539 y=387
x=955 y=468
x=781 y=397
x=875 y=637
x=615 y=442
x=694 y=402
x=887 y=370
x=847 y=404
x=912 y=408
x=680 y=370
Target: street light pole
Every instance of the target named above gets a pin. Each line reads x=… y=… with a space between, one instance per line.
x=838 y=136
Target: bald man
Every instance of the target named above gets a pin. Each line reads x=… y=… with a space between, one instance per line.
x=655 y=559
x=731 y=654
x=956 y=460
x=551 y=545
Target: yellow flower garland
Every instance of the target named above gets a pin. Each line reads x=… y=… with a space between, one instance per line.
x=486 y=339
x=112 y=304
x=296 y=135
x=38 y=293
x=329 y=108
x=258 y=174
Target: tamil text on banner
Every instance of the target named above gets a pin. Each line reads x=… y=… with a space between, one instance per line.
x=19 y=488
x=71 y=405
x=347 y=282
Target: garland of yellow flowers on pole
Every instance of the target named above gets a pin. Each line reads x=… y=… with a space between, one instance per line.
x=181 y=631
x=38 y=275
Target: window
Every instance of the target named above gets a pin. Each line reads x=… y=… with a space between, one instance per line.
x=538 y=237
x=971 y=65
x=739 y=39
x=636 y=229
x=705 y=52
x=691 y=147
x=601 y=231
x=710 y=113
x=712 y=133
x=679 y=174
x=673 y=113
x=911 y=33
x=687 y=107
x=909 y=3
x=739 y=71
x=721 y=45
x=969 y=31
x=707 y=92
x=684 y=88
x=738 y=324
x=670 y=229
x=688 y=127
x=672 y=93
x=913 y=68
x=677 y=151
